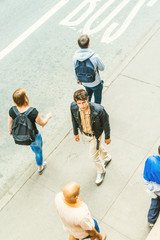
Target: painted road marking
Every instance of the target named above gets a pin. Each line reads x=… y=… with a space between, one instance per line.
x=106 y=38
x=31 y=29
x=151 y=3
x=87 y=27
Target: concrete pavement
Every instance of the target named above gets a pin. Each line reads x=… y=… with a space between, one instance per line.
x=42 y=63
x=120 y=204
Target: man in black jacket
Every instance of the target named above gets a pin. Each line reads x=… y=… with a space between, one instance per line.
x=92 y=120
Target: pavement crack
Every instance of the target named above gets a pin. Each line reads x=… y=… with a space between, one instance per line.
x=139 y=80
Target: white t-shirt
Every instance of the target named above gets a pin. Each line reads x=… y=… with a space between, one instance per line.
x=75 y=220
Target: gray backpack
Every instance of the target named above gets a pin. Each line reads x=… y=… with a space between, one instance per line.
x=22 y=128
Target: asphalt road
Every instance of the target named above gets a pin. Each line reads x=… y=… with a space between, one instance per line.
x=38 y=57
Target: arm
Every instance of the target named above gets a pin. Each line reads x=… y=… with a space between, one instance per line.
x=10 y=122
x=94 y=234
x=74 y=123
x=88 y=225
x=43 y=121
x=105 y=125
x=152 y=186
x=100 y=64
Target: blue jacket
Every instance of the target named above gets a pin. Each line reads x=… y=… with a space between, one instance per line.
x=152 y=169
x=99 y=120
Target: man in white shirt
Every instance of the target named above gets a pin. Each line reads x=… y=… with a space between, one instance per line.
x=75 y=214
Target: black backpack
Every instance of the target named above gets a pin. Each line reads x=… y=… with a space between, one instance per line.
x=85 y=71
x=22 y=128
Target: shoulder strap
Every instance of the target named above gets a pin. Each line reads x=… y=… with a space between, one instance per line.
x=28 y=111
x=88 y=58
x=91 y=61
x=16 y=111
x=91 y=55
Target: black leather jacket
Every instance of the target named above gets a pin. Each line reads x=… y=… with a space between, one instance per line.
x=99 y=120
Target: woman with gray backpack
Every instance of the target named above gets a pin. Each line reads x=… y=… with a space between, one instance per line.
x=22 y=121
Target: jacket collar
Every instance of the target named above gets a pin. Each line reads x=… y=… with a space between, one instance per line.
x=92 y=109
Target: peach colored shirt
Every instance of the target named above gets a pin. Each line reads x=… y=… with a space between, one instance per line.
x=85 y=121
x=75 y=220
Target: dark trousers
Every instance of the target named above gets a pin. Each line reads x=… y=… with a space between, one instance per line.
x=97 y=91
x=154 y=210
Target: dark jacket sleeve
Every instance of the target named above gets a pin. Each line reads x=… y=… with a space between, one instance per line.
x=105 y=123
x=74 y=123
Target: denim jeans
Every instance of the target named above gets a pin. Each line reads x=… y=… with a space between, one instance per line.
x=96 y=227
x=36 y=147
x=154 y=210
x=97 y=91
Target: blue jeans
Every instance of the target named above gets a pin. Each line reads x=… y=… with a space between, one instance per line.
x=97 y=90
x=96 y=227
x=36 y=147
x=154 y=210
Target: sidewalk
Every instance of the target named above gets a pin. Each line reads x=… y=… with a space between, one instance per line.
x=120 y=204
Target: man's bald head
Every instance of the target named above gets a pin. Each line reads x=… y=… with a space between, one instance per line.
x=71 y=191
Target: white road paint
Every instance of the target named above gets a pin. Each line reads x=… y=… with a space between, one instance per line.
x=32 y=29
x=89 y=25
x=151 y=3
x=67 y=21
x=87 y=28
x=107 y=38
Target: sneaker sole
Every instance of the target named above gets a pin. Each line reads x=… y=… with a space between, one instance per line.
x=101 y=181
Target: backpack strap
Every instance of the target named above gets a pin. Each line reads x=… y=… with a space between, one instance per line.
x=92 y=63
x=28 y=111
x=16 y=111
x=91 y=55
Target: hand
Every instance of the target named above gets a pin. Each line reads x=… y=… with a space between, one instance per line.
x=76 y=137
x=49 y=115
x=79 y=83
x=107 y=141
x=10 y=132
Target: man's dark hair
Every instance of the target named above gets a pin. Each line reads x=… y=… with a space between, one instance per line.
x=159 y=150
x=83 y=41
x=80 y=94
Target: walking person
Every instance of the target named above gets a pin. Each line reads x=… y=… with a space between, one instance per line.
x=87 y=65
x=151 y=177
x=92 y=120
x=22 y=121
x=75 y=214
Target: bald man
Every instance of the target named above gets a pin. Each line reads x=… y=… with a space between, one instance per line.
x=75 y=214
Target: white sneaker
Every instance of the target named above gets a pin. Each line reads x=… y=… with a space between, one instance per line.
x=151 y=224
x=105 y=163
x=100 y=178
x=44 y=167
